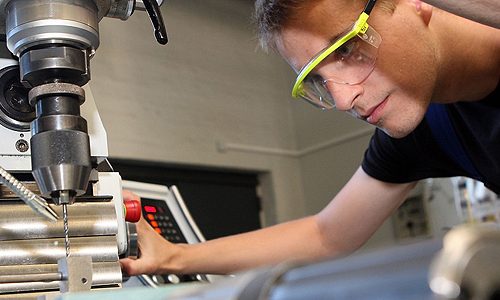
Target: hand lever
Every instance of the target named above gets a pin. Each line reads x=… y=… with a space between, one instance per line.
x=154 y=13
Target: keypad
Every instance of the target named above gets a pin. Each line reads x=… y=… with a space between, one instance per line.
x=161 y=219
x=159 y=216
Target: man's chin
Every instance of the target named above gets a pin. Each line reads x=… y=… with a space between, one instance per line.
x=394 y=133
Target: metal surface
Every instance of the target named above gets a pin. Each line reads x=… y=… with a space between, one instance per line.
x=15 y=110
x=396 y=273
x=66 y=229
x=77 y=273
x=31 y=277
x=132 y=241
x=54 y=41
x=103 y=274
x=102 y=5
x=121 y=9
x=49 y=251
x=32 y=23
x=61 y=147
x=56 y=88
x=54 y=68
x=17 y=221
x=35 y=202
x=468 y=265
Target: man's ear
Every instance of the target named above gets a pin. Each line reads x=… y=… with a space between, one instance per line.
x=424 y=10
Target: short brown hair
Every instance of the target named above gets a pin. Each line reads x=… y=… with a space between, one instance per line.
x=271 y=16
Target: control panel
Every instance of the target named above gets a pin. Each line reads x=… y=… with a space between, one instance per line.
x=159 y=216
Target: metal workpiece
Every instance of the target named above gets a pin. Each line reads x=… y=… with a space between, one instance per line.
x=76 y=272
x=35 y=277
x=467 y=266
x=49 y=251
x=17 y=221
x=31 y=277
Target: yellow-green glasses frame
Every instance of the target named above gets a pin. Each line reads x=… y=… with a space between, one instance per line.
x=360 y=26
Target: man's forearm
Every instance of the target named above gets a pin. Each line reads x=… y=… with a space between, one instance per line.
x=481 y=11
x=295 y=240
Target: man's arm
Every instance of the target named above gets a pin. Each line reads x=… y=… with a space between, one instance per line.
x=481 y=11
x=343 y=226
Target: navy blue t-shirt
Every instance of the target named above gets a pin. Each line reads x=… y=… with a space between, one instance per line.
x=418 y=155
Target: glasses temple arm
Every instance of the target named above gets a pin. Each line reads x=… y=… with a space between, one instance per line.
x=369 y=6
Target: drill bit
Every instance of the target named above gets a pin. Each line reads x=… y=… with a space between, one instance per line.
x=66 y=228
x=35 y=202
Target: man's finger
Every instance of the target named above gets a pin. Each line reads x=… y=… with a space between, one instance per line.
x=128 y=195
x=131 y=267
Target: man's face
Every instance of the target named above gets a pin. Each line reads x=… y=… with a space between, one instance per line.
x=395 y=96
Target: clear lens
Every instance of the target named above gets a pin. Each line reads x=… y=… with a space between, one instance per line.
x=316 y=93
x=351 y=63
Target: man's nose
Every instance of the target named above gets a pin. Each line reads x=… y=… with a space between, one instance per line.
x=344 y=94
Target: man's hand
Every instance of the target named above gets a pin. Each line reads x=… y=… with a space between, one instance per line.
x=155 y=252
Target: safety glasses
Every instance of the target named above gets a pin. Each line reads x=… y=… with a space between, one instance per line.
x=348 y=60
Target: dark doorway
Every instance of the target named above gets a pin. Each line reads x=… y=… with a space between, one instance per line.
x=222 y=202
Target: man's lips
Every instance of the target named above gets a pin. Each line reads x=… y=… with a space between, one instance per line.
x=373 y=115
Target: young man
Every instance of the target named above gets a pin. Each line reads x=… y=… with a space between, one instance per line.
x=386 y=69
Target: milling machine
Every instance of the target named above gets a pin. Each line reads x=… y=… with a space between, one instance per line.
x=53 y=151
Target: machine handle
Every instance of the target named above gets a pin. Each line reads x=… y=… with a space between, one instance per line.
x=154 y=13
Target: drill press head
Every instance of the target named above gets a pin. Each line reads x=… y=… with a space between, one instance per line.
x=54 y=40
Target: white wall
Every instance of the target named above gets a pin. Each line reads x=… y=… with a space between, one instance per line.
x=209 y=84
x=326 y=171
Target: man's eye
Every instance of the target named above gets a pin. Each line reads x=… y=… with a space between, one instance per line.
x=315 y=78
x=345 y=51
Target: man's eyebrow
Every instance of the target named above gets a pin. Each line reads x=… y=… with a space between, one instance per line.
x=336 y=37
x=340 y=34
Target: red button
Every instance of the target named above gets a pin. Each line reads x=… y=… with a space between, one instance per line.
x=154 y=223
x=132 y=210
x=150 y=209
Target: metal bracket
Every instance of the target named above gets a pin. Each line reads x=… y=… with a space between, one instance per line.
x=76 y=272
